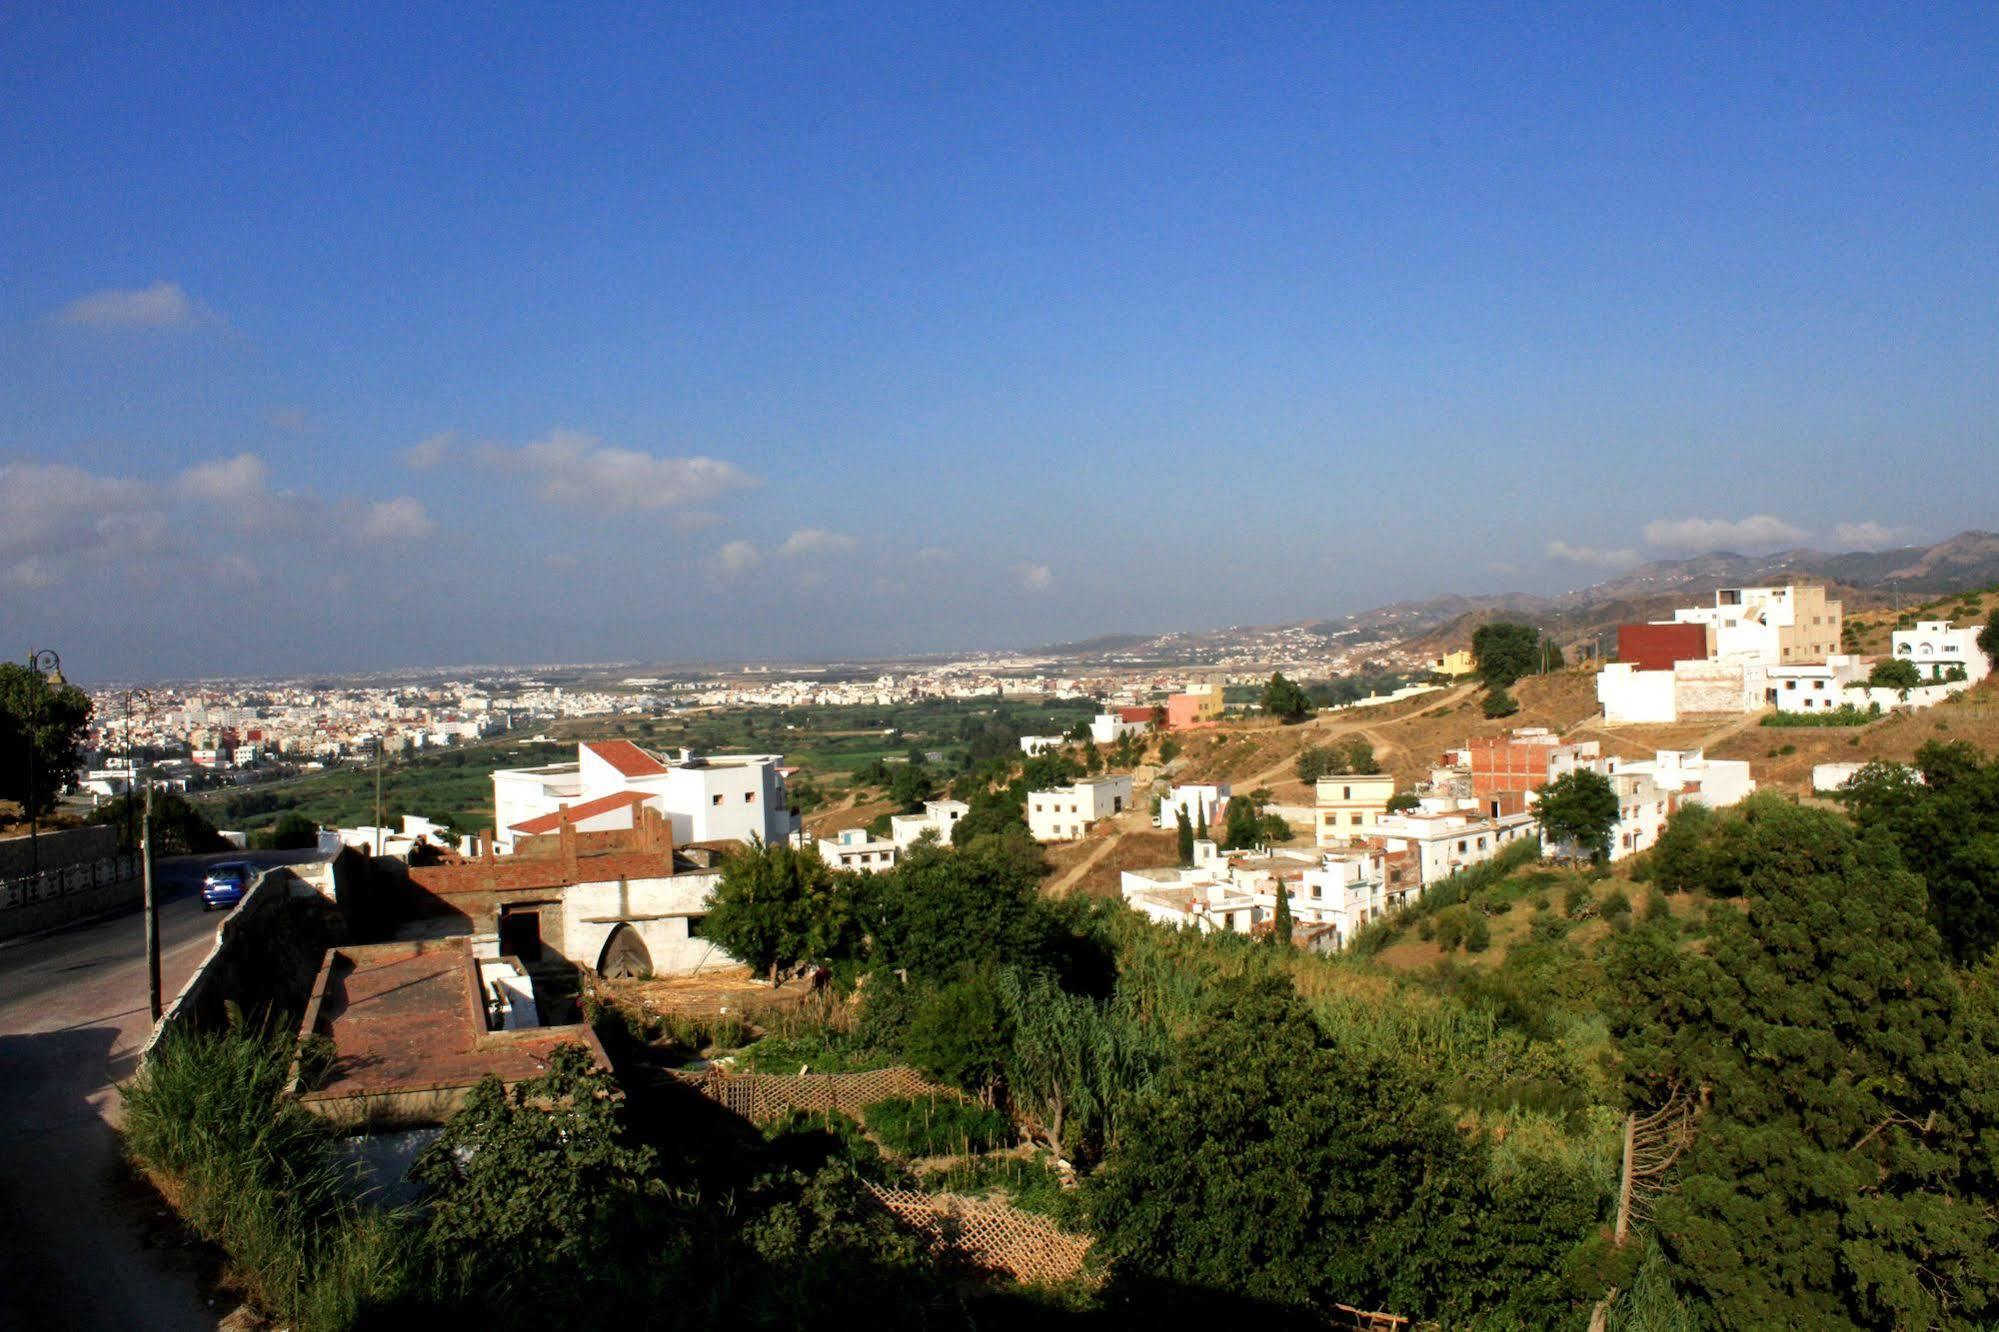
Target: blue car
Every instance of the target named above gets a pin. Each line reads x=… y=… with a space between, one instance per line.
x=225 y=885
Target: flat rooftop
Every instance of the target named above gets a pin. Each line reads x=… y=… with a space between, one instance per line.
x=407 y=1022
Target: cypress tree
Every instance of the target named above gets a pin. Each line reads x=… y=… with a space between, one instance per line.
x=1184 y=831
x=1280 y=930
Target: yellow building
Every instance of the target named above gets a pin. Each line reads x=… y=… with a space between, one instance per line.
x=1453 y=664
x=1198 y=706
x=1351 y=807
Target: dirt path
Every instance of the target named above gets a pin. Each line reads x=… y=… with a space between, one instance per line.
x=1064 y=885
x=1337 y=725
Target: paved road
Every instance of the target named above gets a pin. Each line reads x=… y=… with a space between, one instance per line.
x=73 y=1017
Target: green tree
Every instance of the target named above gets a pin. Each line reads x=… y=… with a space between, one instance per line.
x=1504 y=651
x=1183 y=833
x=44 y=717
x=1942 y=815
x=1498 y=703
x=1280 y=923
x=1681 y=858
x=1245 y=824
x=1169 y=749
x=779 y=905
x=1579 y=809
x=955 y=1034
x=1988 y=639
x=1279 y=1167
x=179 y=826
x=909 y=785
x=537 y=1196
x=940 y=914
x=294 y=832
x=1073 y=1062
x=1283 y=699
x=1839 y=1147
x=1894 y=673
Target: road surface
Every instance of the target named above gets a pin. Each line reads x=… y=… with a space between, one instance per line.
x=73 y=1016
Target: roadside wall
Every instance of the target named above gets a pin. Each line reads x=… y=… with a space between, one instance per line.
x=265 y=955
x=64 y=846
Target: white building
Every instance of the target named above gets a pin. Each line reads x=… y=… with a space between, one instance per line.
x=1031 y=745
x=1751 y=633
x=1331 y=894
x=719 y=798
x=1107 y=728
x=1065 y=813
x=939 y=819
x=1206 y=803
x=1935 y=647
x=1442 y=840
x=1816 y=686
x=853 y=849
x=1650 y=790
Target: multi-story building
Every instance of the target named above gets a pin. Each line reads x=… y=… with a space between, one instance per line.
x=1936 y=647
x=1718 y=659
x=715 y=798
x=1525 y=760
x=1204 y=802
x=1199 y=705
x=853 y=849
x=1350 y=807
x=1065 y=813
x=1442 y=841
x=1775 y=625
x=939 y=819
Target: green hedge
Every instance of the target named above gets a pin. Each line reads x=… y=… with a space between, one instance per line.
x=1843 y=715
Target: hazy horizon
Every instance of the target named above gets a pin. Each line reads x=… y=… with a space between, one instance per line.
x=335 y=343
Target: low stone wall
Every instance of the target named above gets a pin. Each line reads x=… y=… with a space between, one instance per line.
x=266 y=954
x=62 y=846
x=79 y=891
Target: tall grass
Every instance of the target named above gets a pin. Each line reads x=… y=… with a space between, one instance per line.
x=260 y=1177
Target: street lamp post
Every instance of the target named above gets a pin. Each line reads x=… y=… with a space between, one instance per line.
x=43 y=661
x=145 y=855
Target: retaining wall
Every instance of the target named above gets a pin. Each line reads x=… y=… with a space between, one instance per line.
x=61 y=846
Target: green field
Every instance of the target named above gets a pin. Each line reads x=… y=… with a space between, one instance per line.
x=455 y=786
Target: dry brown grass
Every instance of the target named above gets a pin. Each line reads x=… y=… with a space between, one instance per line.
x=827 y=822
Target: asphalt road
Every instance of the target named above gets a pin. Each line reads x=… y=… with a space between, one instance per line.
x=73 y=1017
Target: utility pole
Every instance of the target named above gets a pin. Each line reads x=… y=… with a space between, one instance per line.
x=152 y=912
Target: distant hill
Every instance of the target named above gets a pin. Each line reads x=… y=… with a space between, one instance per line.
x=1861 y=578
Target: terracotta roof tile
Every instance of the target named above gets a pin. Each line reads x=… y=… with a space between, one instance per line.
x=548 y=823
x=627 y=758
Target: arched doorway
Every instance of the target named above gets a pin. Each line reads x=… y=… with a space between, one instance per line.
x=625 y=956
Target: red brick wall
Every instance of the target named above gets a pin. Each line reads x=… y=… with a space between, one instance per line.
x=1655 y=647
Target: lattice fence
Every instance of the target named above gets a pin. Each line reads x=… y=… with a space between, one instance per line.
x=990 y=1235
x=762 y=1097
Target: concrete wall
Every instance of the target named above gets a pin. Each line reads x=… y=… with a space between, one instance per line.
x=266 y=953
x=114 y=884
x=62 y=846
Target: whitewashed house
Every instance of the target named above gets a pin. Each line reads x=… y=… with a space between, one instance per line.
x=853 y=849
x=1065 y=813
x=939 y=819
x=715 y=798
x=1936 y=648
x=1205 y=805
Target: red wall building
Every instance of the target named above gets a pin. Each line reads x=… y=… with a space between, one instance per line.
x=1655 y=647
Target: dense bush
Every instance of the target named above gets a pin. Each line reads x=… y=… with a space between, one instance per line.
x=936 y=1126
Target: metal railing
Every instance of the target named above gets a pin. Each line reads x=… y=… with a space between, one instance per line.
x=28 y=889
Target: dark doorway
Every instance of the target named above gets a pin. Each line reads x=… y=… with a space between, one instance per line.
x=625 y=956
x=520 y=935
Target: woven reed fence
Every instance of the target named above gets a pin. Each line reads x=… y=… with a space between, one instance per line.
x=990 y=1235
x=762 y=1097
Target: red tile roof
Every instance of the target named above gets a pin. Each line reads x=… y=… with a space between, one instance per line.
x=512 y=874
x=627 y=758
x=548 y=823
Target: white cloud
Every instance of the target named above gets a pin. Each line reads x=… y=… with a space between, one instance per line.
x=162 y=305
x=395 y=520
x=1869 y=535
x=430 y=452
x=1759 y=531
x=735 y=557
x=1035 y=577
x=53 y=513
x=1591 y=557
x=580 y=471
x=815 y=541
x=243 y=479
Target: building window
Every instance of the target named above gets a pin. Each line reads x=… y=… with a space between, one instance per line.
x=749 y=797
x=717 y=799
x=696 y=926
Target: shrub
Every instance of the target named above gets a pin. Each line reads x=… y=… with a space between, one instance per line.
x=936 y=1126
x=258 y=1175
x=1578 y=903
x=1478 y=935
x=1844 y=715
x=1545 y=927
x=1499 y=703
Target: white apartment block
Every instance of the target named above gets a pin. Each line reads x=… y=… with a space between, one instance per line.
x=1649 y=790
x=939 y=819
x=1065 y=813
x=717 y=798
x=853 y=849
x=1350 y=808
x=1775 y=625
x=1441 y=841
x=1935 y=647
x=1752 y=632
x=1107 y=728
x=1204 y=802
x=1331 y=894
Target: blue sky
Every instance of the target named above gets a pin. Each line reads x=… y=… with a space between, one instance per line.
x=338 y=339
